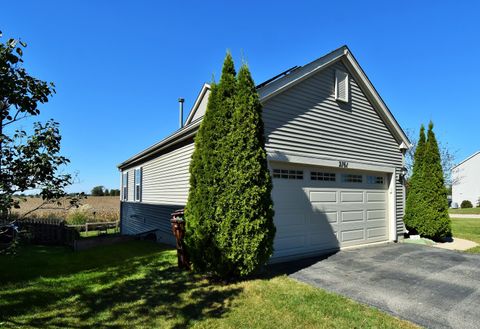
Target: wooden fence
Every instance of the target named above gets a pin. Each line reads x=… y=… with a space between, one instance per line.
x=48 y=231
x=101 y=227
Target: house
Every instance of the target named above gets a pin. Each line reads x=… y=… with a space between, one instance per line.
x=336 y=156
x=466 y=180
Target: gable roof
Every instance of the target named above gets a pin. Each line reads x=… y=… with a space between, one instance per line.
x=290 y=78
x=205 y=88
x=470 y=157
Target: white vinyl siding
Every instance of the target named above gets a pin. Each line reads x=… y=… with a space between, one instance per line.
x=166 y=178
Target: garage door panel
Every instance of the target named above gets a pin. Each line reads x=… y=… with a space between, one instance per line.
x=290 y=219
x=320 y=197
x=351 y=196
x=376 y=223
x=352 y=235
x=323 y=223
x=320 y=241
x=379 y=196
x=376 y=214
x=352 y=216
x=313 y=215
x=376 y=233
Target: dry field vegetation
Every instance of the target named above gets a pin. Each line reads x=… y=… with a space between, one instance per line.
x=92 y=209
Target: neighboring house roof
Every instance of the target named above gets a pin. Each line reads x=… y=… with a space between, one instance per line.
x=470 y=157
x=279 y=84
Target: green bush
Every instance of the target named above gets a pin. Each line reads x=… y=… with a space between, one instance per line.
x=466 y=204
x=80 y=215
x=229 y=213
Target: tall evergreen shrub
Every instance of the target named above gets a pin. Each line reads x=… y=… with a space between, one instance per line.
x=206 y=180
x=415 y=201
x=426 y=211
x=436 y=222
x=229 y=214
x=246 y=230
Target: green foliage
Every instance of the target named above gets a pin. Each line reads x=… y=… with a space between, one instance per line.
x=106 y=192
x=97 y=191
x=27 y=162
x=206 y=181
x=414 y=204
x=229 y=213
x=80 y=215
x=427 y=204
x=114 y=192
x=466 y=204
x=246 y=230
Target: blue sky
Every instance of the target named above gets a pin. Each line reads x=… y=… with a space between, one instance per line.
x=120 y=66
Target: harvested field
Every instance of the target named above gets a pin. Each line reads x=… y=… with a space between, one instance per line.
x=94 y=209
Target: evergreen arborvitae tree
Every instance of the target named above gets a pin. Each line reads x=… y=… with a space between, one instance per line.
x=206 y=181
x=414 y=205
x=246 y=229
x=426 y=209
x=436 y=221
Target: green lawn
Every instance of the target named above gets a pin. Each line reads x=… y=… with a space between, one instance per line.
x=137 y=284
x=467 y=228
x=96 y=232
x=468 y=211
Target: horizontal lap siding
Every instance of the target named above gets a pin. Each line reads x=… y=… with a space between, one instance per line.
x=165 y=186
x=166 y=178
x=140 y=217
x=307 y=120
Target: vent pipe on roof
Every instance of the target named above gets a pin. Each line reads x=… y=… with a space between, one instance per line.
x=180 y=108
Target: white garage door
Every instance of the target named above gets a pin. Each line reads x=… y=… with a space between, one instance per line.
x=318 y=209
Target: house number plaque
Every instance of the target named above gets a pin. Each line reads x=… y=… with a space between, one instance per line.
x=343 y=164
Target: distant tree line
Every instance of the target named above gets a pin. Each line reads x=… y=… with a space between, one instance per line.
x=102 y=191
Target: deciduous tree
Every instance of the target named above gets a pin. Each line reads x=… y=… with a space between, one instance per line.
x=29 y=159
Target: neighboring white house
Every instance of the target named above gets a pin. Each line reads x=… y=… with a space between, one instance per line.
x=335 y=152
x=466 y=180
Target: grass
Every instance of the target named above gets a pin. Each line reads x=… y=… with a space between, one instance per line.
x=96 y=232
x=467 y=228
x=137 y=284
x=468 y=211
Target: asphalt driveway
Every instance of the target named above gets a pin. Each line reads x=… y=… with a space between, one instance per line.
x=432 y=287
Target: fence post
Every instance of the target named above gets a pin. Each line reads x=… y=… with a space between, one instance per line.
x=86 y=229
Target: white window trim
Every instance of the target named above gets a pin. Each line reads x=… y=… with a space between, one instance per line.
x=347 y=86
x=137 y=195
x=125 y=186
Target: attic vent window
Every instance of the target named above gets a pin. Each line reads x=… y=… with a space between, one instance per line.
x=341 y=86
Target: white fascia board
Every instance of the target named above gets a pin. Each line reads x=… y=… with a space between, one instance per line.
x=200 y=96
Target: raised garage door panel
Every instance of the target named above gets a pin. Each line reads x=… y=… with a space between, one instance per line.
x=312 y=215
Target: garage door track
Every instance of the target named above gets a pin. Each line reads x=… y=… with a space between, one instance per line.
x=432 y=287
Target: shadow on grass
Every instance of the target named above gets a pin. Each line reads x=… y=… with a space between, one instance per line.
x=125 y=291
